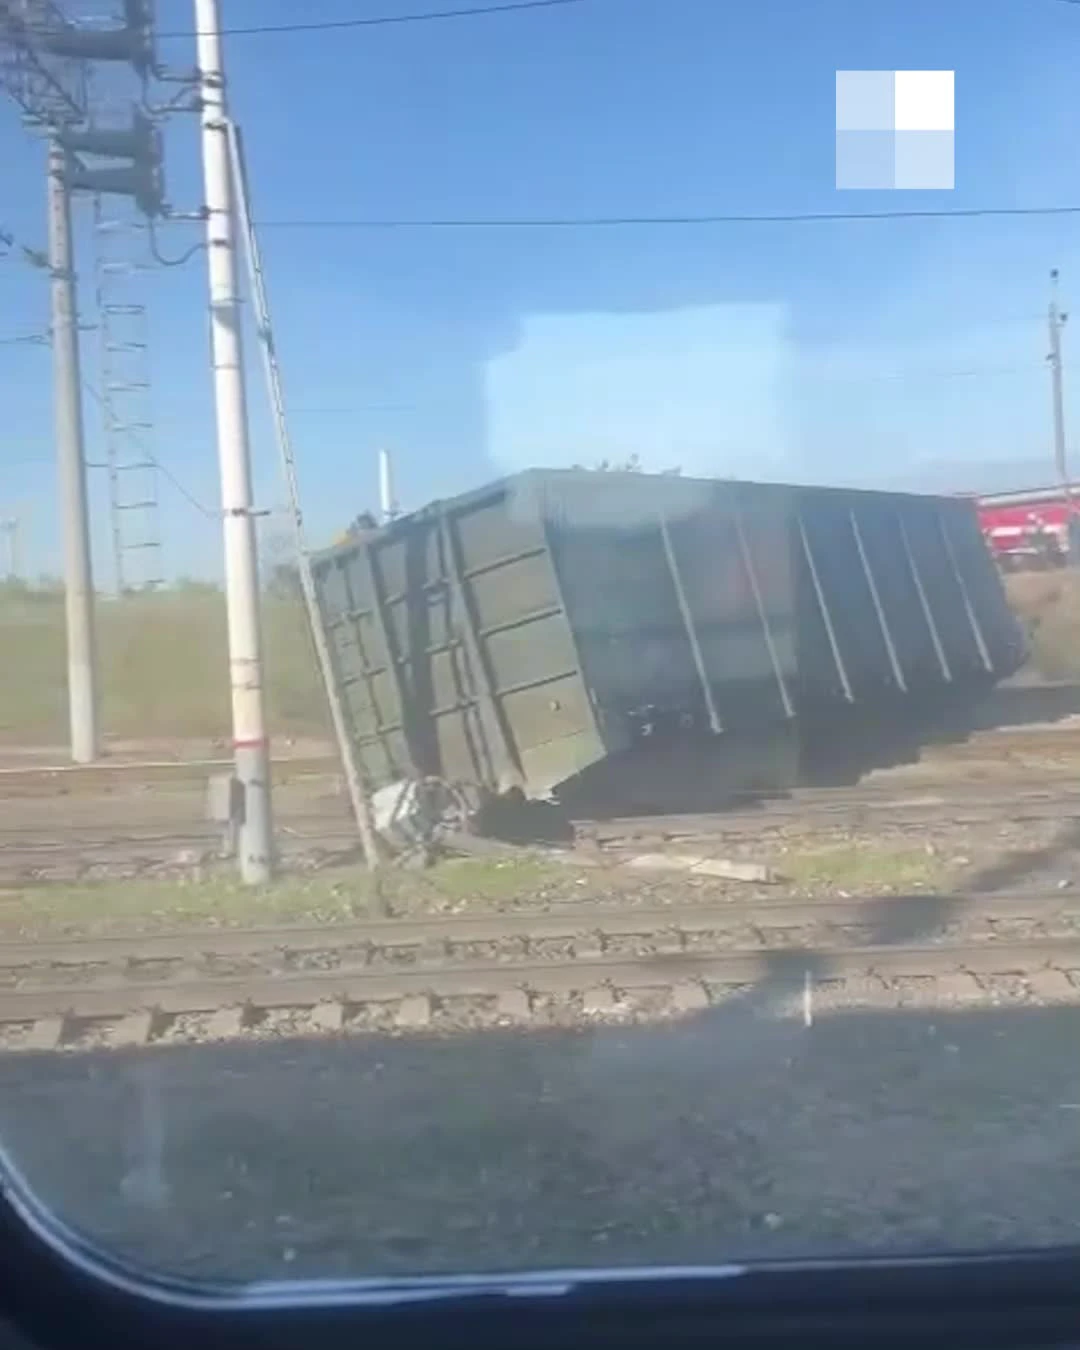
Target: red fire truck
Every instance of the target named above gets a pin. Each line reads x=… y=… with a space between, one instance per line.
x=1030 y=530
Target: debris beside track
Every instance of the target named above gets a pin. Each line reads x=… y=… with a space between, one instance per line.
x=726 y=868
x=870 y=857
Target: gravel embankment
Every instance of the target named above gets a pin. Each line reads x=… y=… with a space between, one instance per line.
x=738 y=1133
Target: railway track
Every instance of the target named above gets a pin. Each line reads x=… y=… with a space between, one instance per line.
x=38 y=850
x=108 y=776
x=912 y=809
x=28 y=854
x=584 y=960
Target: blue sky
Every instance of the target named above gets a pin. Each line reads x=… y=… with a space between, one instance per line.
x=888 y=351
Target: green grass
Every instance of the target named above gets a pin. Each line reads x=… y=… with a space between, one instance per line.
x=163 y=667
x=491 y=878
x=335 y=896
x=861 y=867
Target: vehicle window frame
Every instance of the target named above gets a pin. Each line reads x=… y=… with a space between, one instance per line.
x=58 y=1290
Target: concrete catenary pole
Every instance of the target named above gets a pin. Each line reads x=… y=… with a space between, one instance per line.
x=250 y=740
x=10 y=527
x=71 y=462
x=354 y=781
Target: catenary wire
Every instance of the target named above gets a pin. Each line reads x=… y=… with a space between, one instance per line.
x=659 y=221
x=380 y=20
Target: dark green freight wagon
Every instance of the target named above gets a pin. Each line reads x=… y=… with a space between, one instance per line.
x=563 y=627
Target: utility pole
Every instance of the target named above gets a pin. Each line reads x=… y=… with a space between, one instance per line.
x=71 y=457
x=44 y=66
x=387 y=504
x=10 y=527
x=1056 y=321
x=354 y=779
x=251 y=745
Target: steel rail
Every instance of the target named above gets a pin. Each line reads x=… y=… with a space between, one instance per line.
x=568 y=921
x=441 y=980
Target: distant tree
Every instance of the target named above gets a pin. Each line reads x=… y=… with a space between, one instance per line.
x=283 y=582
x=45 y=589
x=195 y=586
x=280 y=577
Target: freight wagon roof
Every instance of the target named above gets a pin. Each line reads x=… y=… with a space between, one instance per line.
x=624 y=490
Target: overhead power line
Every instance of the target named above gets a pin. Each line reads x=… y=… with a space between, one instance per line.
x=41 y=340
x=605 y=222
x=825 y=375
x=9 y=243
x=397 y=20
x=844 y=377
x=170 y=477
x=382 y=20
x=163 y=469
x=889 y=376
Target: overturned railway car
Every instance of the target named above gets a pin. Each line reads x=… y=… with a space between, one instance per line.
x=653 y=639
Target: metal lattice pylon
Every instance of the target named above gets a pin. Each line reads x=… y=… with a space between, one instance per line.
x=49 y=90
x=124 y=353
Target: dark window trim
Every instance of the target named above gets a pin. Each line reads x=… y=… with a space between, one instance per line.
x=58 y=1290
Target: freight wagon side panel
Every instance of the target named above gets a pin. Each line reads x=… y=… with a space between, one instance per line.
x=680 y=600
x=1003 y=637
x=510 y=612
x=445 y=730
x=847 y=645
x=893 y=571
x=757 y=617
x=898 y=597
x=452 y=649
x=631 y=645
x=960 y=635
x=359 y=654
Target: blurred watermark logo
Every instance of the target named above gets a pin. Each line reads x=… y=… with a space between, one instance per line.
x=894 y=129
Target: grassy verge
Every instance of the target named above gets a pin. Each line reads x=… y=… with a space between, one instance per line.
x=1048 y=604
x=865 y=866
x=339 y=895
x=163 y=662
x=455 y=886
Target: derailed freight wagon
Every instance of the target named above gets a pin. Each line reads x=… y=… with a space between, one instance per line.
x=650 y=638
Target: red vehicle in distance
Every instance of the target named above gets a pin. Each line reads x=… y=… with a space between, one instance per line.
x=1030 y=530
